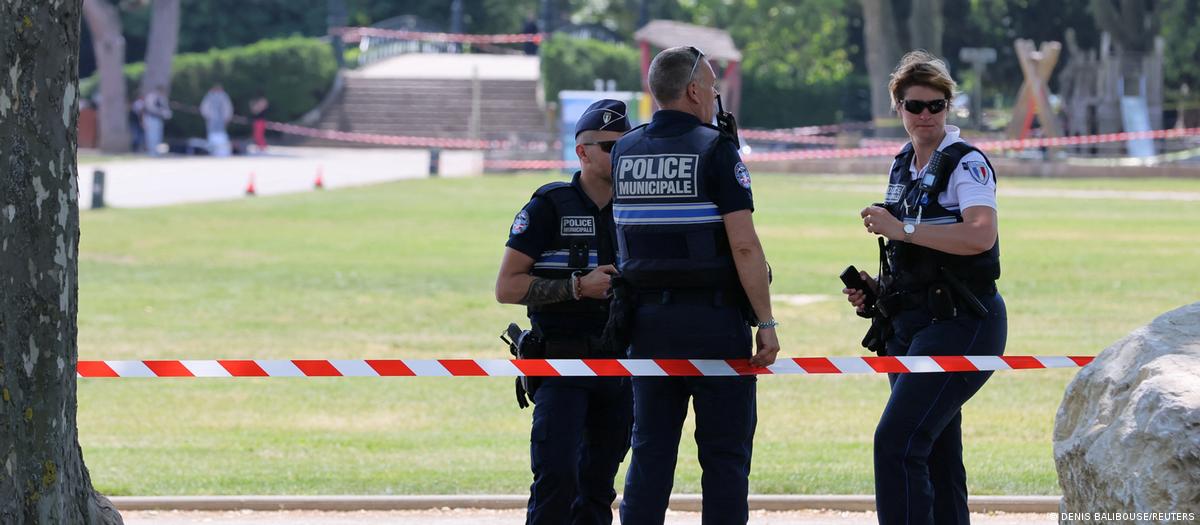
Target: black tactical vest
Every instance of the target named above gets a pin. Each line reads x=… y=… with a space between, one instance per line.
x=669 y=232
x=577 y=247
x=916 y=267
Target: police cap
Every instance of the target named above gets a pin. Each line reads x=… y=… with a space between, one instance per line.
x=603 y=115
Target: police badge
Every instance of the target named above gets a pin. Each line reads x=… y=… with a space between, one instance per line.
x=520 y=223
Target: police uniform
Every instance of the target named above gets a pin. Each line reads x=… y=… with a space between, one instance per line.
x=673 y=180
x=581 y=426
x=919 y=474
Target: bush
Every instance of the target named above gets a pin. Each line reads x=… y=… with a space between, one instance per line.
x=575 y=63
x=293 y=73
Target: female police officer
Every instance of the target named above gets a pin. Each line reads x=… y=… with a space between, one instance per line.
x=937 y=288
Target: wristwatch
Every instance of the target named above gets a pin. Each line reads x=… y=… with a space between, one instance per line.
x=909 y=230
x=768 y=324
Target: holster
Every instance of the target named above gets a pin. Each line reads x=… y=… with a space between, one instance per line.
x=524 y=344
x=618 y=331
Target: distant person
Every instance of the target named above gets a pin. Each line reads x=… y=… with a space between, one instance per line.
x=156 y=110
x=137 y=135
x=936 y=297
x=530 y=27
x=258 y=112
x=217 y=110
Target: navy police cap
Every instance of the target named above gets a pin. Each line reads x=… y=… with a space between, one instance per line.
x=603 y=115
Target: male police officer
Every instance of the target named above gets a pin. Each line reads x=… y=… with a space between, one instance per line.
x=559 y=263
x=688 y=249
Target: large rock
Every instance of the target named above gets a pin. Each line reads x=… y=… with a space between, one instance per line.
x=1127 y=435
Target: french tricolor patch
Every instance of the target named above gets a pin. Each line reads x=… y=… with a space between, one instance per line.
x=979 y=171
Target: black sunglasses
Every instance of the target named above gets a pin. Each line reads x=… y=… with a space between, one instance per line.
x=917 y=106
x=605 y=145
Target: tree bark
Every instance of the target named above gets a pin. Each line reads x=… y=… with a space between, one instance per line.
x=43 y=479
x=926 y=25
x=161 y=44
x=109 y=44
x=883 y=51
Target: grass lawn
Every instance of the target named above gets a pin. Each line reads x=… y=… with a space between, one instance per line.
x=407 y=269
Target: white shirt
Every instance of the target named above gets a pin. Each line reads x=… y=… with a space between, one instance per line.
x=971 y=184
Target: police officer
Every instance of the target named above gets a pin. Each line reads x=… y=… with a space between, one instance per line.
x=689 y=251
x=559 y=262
x=938 y=289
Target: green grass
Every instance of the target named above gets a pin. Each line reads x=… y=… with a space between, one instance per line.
x=407 y=269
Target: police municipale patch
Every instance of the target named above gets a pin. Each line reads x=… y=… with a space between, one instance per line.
x=979 y=171
x=520 y=223
x=742 y=174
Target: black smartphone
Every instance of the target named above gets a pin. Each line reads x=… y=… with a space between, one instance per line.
x=853 y=280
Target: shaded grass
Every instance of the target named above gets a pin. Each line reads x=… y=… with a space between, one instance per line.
x=407 y=269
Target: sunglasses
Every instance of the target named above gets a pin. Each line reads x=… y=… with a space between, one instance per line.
x=605 y=145
x=699 y=55
x=917 y=106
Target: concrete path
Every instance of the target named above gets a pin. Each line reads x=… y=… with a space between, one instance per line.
x=135 y=183
x=514 y=517
x=489 y=67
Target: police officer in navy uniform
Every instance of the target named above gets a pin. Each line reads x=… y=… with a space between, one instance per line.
x=559 y=263
x=938 y=291
x=689 y=252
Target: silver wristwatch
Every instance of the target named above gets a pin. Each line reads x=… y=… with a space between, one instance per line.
x=909 y=230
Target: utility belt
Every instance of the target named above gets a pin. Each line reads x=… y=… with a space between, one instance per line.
x=943 y=299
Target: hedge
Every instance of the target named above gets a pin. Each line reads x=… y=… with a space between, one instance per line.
x=768 y=100
x=293 y=73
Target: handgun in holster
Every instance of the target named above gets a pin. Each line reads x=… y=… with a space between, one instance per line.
x=618 y=330
x=523 y=344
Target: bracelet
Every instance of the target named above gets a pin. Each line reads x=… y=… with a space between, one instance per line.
x=768 y=324
x=576 y=288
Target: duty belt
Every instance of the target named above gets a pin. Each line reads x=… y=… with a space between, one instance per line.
x=574 y=348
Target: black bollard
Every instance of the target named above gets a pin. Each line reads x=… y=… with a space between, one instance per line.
x=97 y=189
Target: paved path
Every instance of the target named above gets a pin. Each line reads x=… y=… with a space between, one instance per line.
x=489 y=67
x=135 y=183
x=514 y=517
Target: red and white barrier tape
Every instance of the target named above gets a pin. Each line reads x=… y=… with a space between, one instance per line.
x=568 y=367
x=354 y=34
x=988 y=145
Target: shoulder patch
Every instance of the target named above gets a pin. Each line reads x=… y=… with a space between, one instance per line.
x=979 y=171
x=743 y=174
x=520 y=223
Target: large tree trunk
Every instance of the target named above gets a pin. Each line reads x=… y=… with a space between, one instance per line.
x=883 y=51
x=160 y=45
x=44 y=480
x=109 y=44
x=926 y=25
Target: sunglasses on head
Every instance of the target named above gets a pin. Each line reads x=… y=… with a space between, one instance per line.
x=605 y=145
x=699 y=55
x=917 y=106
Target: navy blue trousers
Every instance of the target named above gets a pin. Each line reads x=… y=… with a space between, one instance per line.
x=725 y=407
x=579 y=437
x=919 y=474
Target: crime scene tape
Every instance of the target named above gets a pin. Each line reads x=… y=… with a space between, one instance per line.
x=354 y=34
x=568 y=367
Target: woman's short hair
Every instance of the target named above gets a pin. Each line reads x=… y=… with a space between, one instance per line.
x=921 y=68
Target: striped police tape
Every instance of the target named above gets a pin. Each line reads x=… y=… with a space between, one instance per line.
x=567 y=367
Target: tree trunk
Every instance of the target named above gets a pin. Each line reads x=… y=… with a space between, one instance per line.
x=883 y=51
x=44 y=480
x=925 y=26
x=109 y=44
x=160 y=45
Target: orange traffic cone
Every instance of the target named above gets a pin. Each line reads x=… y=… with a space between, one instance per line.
x=250 y=187
x=319 y=183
